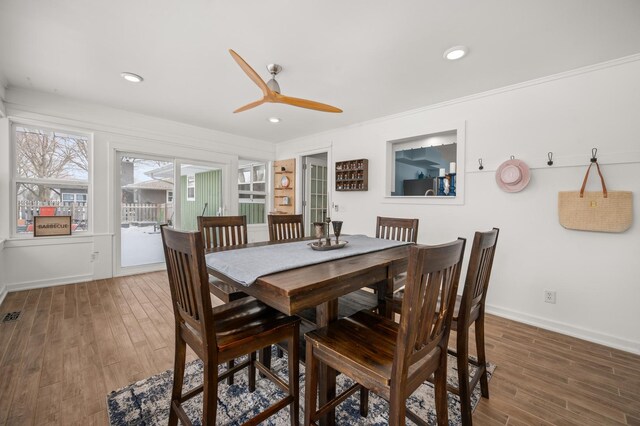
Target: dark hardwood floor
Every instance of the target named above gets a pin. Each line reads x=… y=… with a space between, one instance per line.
x=75 y=343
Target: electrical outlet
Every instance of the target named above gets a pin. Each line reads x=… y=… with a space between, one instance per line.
x=94 y=255
x=550 y=296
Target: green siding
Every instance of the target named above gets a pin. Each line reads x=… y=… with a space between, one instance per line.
x=208 y=190
x=253 y=211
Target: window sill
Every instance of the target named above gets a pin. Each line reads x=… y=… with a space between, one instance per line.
x=421 y=199
x=31 y=241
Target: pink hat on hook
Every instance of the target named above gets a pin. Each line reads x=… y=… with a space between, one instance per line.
x=513 y=175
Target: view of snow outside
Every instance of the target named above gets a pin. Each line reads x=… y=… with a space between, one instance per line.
x=141 y=245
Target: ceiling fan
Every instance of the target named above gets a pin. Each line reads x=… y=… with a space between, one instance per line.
x=271 y=89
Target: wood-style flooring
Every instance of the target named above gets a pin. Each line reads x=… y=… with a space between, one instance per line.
x=75 y=343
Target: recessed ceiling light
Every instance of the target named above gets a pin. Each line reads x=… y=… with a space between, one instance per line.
x=274 y=120
x=456 y=52
x=131 y=77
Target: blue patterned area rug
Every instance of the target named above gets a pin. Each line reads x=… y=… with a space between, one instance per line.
x=146 y=402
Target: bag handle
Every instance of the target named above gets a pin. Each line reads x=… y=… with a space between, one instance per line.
x=586 y=176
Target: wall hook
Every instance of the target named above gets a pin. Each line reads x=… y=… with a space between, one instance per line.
x=594 y=151
x=512 y=157
x=550 y=162
x=480 y=162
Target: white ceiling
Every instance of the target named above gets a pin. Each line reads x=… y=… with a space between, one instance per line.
x=371 y=58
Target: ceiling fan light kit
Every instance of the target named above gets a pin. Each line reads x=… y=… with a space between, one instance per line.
x=271 y=89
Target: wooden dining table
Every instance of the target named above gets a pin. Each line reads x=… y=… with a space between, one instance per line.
x=319 y=286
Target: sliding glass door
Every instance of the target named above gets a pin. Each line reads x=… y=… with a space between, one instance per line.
x=146 y=201
x=201 y=194
x=154 y=191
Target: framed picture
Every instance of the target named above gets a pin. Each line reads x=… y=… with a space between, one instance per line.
x=47 y=226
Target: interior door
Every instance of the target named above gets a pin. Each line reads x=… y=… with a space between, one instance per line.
x=315 y=198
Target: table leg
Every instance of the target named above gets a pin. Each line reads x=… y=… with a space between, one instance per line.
x=326 y=313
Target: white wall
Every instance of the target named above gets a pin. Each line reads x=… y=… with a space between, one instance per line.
x=38 y=262
x=595 y=274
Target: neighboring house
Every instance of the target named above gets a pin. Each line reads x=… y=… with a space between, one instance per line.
x=200 y=191
x=148 y=192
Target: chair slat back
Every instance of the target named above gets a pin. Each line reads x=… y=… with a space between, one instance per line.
x=223 y=231
x=433 y=274
x=399 y=229
x=285 y=227
x=478 y=272
x=188 y=280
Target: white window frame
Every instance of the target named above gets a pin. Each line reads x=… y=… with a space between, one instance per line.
x=191 y=184
x=251 y=192
x=66 y=183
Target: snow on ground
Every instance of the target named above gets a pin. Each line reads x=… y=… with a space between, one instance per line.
x=141 y=246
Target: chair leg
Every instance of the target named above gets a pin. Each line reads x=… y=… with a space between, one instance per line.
x=252 y=371
x=462 y=347
x=364 y=401
x=178 y=378
x=294 y=376
x=210 y=396
x=440 y=388
x=311 y=386
x=265 y=358
x=397 y=408
x=230 y=365
x=482 y=358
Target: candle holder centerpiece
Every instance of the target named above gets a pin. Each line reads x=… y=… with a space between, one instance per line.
x=322 y=233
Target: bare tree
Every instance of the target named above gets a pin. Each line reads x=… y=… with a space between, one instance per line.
x=43 y=155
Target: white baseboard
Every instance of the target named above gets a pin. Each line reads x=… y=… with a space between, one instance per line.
x=570 y=330
x=49 y=283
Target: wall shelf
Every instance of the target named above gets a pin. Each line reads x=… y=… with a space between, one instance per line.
x=281 y=169
x=352 y=175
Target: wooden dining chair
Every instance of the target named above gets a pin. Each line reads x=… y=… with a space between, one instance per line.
x=228 y=232
x=220 y=334
x=469 y=310
x=285 y=227
x=399 y=229
x=223 y=231
x=393 y=359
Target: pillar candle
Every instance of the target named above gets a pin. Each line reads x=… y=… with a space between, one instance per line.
x=452 y=168
x=441 y=172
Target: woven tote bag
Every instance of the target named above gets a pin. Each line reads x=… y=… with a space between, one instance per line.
x=606 y=211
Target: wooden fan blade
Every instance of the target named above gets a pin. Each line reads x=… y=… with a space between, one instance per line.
x=305 y=103
x=251 y=105
x=251 y=73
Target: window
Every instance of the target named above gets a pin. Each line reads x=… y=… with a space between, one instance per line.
x=169 y=196
x=252 y=191
x=191 y=188
x=51 y=175
x=428 y=168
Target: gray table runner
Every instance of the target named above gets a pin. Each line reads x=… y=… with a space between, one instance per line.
x=246 y=265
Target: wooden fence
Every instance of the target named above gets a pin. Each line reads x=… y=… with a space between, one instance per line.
x=28 y=209
x=141 y=214
x=131 y=214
